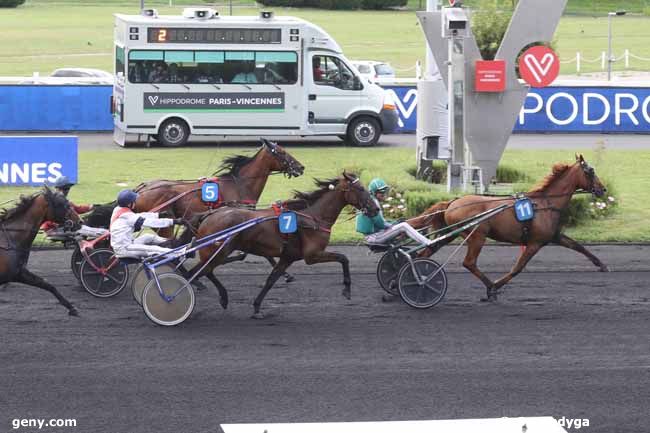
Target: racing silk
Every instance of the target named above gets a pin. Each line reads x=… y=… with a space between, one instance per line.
x=368 y=225
x=123 y=220
x=78 y=208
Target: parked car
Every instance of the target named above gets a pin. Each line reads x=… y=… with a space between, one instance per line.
x=373 y=71
x=86 y=74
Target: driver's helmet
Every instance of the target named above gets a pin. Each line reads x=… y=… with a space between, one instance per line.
x=62 y=182
x=378 y=185
x=126 y=197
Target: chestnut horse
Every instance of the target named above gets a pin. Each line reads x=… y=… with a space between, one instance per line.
x=18 y=228
x=316 y=212
x=550 y=197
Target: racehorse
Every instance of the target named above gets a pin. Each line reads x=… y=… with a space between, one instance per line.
x=550 y=197
x=316 y=212
x=241 y=181
x=18 y=228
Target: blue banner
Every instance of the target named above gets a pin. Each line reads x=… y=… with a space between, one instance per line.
x=37 y=160
x=586 y=109
x=559 y=109
x=55 y=108
x=406 y=101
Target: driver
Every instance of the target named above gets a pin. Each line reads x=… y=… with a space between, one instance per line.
x=125 y=222
x=52 y=230
x=377 y=230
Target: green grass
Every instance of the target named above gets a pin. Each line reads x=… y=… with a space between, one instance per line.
x=44 y=35
x=103 y=173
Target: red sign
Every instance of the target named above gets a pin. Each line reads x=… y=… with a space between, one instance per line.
x=490 y=76
x=539 y=66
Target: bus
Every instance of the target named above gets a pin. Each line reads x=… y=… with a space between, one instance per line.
x=203 y=74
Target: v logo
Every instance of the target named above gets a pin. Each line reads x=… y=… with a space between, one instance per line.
x=153 y=100
x=410 y=99
x=539 y=69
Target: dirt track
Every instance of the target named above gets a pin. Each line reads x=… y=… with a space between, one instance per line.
x=564 y=340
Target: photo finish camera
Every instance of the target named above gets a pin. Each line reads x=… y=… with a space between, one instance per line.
x=454 y=23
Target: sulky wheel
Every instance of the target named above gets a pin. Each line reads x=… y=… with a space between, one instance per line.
x=426 y=289
x=75 y=262
x=141 y=278
x=388 y=270
x=102 y=274
x=173 y=305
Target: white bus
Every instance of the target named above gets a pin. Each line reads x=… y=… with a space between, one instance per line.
x=203 y=74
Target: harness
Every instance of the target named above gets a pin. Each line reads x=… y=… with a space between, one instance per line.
x=210 y=204
x=319 y=225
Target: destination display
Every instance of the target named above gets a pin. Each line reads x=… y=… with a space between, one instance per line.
x=174 y=35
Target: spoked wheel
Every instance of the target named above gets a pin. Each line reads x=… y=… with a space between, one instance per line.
x=425 y=289
x=388 y=270
x=102 y=274
x=173 y=305
x=141 y=278
x=75 y=262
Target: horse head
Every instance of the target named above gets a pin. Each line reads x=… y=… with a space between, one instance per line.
x=59 y=209
x=588 y=179
x=283 y=162
x=356 y=195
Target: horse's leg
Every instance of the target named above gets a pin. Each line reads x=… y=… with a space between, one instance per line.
x=474 y=247
x=188 y=274
x=223 y=293
x=567 y=242
x=327 y=256
x=287 y=276
x=26 y=277
x=527 y=254
x=276 y=273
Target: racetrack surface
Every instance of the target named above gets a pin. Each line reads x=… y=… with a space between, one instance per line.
x=564 y=340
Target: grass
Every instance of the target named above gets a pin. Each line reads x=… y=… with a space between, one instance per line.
x=100 y=180
x=44 y=35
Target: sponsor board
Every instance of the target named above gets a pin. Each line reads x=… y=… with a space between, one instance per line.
x=222 y=102
x=37 y=160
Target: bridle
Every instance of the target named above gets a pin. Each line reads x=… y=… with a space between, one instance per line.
x=590 y=174
x=356 y=184
x=288 y=164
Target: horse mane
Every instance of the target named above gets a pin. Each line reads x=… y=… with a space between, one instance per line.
x=231 y=165
x=559 y=169
x=323 y=187
x=25 y=202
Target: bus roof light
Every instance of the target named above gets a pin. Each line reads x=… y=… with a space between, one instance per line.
x=153 y=13
x=266 y=15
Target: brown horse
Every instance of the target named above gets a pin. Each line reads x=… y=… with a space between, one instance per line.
x=317 y=212
x=18 y=228
x=241 y=179
x=550 y=197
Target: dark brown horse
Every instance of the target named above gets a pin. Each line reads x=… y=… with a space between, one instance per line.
x=18 y=228
x=317 y=212
x=241 y=179
x=550 y=197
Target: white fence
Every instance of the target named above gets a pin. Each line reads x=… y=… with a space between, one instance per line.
x=602 y=59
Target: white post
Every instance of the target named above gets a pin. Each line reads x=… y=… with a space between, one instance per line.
x=602 y=60
x=609 y=46
x=627 y=58
x=418 y=69
x=431 y=68
x=578 y=62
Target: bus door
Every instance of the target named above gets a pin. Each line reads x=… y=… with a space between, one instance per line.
x=334 y=93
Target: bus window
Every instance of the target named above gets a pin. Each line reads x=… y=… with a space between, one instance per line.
x=277 y=67
x=119 y=60
x=331 y=71
x=240 y=67
x=146 y=66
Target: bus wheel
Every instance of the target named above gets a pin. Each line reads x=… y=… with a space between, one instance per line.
x=364 y=132
x=173 y=132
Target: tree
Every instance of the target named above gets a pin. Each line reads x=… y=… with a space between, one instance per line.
x=11 y=3
x=489 y=25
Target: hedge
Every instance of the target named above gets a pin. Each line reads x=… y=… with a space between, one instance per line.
x=10 y=3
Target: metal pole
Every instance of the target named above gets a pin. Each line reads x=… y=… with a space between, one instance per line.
x=231 y=7
x=141 y=5
x=609 y=46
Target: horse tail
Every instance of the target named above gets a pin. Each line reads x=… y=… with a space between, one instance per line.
x=100 y=216
x=433 y=217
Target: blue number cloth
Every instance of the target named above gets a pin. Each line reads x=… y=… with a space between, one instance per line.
x=288 y=222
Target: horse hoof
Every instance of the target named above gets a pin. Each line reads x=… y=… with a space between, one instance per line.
x=288 y=278
x=224 y=304
x=73 y=312
x=489 y=298
x=259 y=315
x=199 y=286
x=347 y=294
x=604 y=268
x=388 y=298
